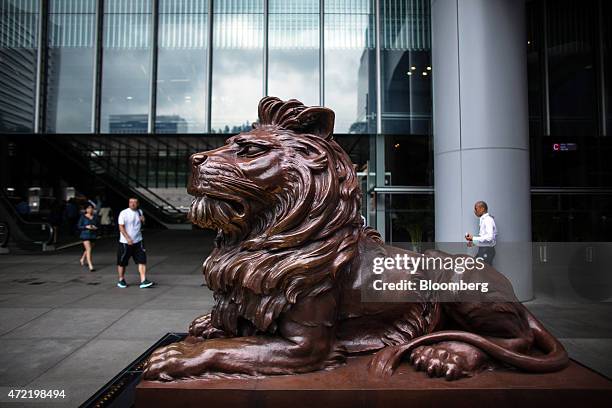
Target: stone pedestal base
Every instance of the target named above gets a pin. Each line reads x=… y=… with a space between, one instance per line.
x=350 y=386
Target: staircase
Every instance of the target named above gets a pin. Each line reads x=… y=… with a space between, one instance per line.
x=152 y=169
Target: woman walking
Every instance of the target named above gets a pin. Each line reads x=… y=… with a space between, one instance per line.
x=88 y=227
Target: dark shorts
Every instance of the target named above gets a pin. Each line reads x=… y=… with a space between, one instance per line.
x=136 y=251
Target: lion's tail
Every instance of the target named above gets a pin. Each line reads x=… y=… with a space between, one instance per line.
x=554 y=359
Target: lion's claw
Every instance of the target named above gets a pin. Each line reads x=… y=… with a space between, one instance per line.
x=175 y=361
x=202 y=328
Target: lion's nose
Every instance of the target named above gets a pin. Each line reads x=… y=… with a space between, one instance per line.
x=198 y=159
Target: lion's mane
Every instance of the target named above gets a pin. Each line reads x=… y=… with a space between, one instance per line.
x=308 y=235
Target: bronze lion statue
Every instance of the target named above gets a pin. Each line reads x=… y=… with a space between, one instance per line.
x=291 y=258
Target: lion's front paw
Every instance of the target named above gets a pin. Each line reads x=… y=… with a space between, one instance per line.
x=202 y=328
x=177 y=360
x=451 y=360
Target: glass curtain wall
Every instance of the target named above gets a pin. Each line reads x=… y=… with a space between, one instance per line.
x=70 y=66
x=406 y=66
x=350 y=58
x=606 y=31
x=237 y=81
x=294 y=50
x=19 y=21
x=568 y=67
x=126 y=66
x=406 y=147
x=181 y=66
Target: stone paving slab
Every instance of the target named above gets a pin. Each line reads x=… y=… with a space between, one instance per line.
x=594 y=353
x=23 y=360
x=83 y=372
x=67 y=324
x=151 y=324
x=13 y=317
x=181 y=298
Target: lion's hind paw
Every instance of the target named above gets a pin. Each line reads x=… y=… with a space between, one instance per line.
x=451 y=360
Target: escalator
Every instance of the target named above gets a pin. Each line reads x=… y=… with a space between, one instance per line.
x=4 y=237
x=20 y=234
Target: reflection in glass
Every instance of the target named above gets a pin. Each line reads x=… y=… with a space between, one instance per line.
x=237 y=64
x=18 y=49
x=409 y=218
x=408 y=160
x=294 y=50
x=406 y=67
x=70 y=59
x=126 y=66
x=181 y=67
x=349 y=64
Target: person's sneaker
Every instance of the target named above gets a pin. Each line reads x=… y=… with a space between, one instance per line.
x=146 y=284
x=122 y=284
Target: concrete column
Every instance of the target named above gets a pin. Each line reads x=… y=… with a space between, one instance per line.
x=481 y=144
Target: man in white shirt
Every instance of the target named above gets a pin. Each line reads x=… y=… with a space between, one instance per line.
x=487 y=236
x=130 y=244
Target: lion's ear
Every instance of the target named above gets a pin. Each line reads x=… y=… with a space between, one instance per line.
x=317 y=121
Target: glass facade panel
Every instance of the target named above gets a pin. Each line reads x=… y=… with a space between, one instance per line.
x=409 y=217
x=18 y=57
x=571 y=217
x=294 y=50
x=237 y=73
x=349 y=43
x=126 y=64
x=606 y=31
x=572 y=68
x=408 y=160
x=534 y=66
x=406 y=66
x=575 y=46
x=181 y=66
x=70 y=66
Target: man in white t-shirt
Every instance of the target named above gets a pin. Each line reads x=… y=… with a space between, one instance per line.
x=130 y=244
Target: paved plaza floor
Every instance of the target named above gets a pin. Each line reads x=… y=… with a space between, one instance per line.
x=63 y=327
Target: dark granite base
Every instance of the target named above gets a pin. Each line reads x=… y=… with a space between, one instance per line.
x=351 y=386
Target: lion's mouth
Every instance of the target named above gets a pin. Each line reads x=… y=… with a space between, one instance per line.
x=215 y=211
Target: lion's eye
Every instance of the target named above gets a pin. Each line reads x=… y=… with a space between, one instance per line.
x=251 y=150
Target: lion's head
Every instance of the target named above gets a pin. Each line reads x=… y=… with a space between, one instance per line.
x=279 y=185
x=285 y=200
